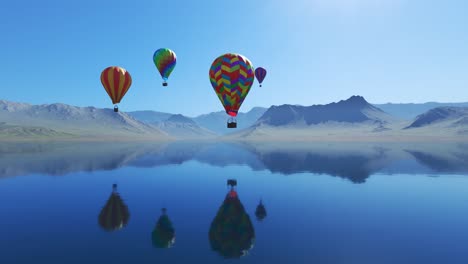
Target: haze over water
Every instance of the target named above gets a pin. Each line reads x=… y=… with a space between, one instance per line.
x=324 y=203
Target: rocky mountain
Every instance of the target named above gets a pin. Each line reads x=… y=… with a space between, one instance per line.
x=411 y=111
x=455 y=118
x=353 y=110
x=21 y=119
x=180 y=126
x=150 y=117
x=350 y=118
x=8 y=131
x=216 y=121
x=212 y=122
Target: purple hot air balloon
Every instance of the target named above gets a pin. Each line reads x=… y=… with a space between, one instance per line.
x=260 y=74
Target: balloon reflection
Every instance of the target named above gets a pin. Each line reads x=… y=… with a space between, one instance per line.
x=114 y=215
x=163 y=235
x=231 y=233
x=260 y=212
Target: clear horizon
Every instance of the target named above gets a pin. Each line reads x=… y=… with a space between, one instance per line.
x=415 y=52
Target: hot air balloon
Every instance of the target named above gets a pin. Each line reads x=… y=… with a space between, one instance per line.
x=260 y=74
x=116 y=81
x=163 y=235
x=260 y=212
x=231 y=233
x=114 y=215
x=231 y=76
x=165 y=61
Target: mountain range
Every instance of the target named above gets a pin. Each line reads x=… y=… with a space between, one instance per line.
x=216 y=121
x=354 y=110
x=351 y=119
x=52 y=120
x=411 y=111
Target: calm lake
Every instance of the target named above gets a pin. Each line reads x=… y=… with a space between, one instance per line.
x=293 y=203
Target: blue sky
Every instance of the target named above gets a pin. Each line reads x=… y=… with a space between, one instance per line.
x=315 y=51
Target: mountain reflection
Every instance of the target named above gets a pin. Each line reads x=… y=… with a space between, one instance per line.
x=231 y=233
x=353 y=161
x=114 y=215
x=443 y=161
x=354 y=167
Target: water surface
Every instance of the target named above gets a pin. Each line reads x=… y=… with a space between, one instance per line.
x=324 y=203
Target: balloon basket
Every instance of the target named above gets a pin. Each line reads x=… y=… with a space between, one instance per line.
x=116 y=109
x=260 y=85
x=231 y=125
x=165 y=84
x=232 y=182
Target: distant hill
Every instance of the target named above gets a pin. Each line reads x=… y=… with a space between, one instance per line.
x=216 y=121
x=354 y=110
x=183 y=127
x=353 y=119
x=149 y=117
x=452 y=118
x=411 y=111
x=59 y=119
x=8 y=131
x=347 y=118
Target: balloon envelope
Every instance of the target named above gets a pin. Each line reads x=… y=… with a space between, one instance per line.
x=116 y=81
x=260 y=74
x=165 y=61
x=231 y=76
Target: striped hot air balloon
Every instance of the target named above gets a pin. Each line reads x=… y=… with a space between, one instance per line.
x=116 y=81
x=231 y=76
x=165 y=61
x=260 y=74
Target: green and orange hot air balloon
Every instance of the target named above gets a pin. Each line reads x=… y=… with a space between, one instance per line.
x=231 y=76
x=165 y=61
x=116 y=81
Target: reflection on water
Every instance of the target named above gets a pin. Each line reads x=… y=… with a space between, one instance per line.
x=231 y=233
x=163 y=235
x=260 y=212
x=395 y=214
x=114 y=215
x=353 y=161
x=441 y=161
